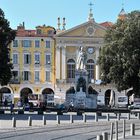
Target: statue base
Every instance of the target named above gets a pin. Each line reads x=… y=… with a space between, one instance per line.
x=80 y=97
x=81 y=73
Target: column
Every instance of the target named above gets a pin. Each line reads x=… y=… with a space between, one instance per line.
x=97 y=68
x=97 y=52
x=63 y=63
x=97 y=73
x=57 y=59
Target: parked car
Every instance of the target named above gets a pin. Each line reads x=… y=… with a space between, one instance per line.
x=134 y=106
x=60 y=106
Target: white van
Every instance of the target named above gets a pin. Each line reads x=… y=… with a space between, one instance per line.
x=122 y=102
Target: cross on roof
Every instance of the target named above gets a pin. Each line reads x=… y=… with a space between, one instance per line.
x=90 y=4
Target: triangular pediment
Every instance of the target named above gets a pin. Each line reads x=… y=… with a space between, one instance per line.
x=87 y=29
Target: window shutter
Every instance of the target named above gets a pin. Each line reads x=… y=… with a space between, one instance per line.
x=29 y=75
x=30 y=43
x=22 y=75
x=22 y=43
x=29 y=58
x=24 y=58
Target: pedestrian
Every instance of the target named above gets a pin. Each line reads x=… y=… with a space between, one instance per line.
x=5 y=103
x=19 y=104
x=11 y=107
x=71 y=106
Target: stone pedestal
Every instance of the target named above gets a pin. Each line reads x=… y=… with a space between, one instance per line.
x=80 y=96
x=81 y=73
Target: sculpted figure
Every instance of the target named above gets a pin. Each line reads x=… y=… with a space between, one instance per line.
x=80 y=60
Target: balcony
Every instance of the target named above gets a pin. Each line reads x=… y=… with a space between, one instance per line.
x=15 y=81
x=48 y=65
x=37 y=64
x=27 y=65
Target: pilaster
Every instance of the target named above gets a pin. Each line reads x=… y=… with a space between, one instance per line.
x=63 y=63
x=58 y=63
x=97 y=74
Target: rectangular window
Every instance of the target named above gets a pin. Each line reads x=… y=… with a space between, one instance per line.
x=37 y=43
x=26 y=43
x=36 y=76
x=48 y=76
x=15 y=58
x=37 y=58
x=27 y=59
x=26 y=75
x=15 y=76
x=48 y=59
x=47 y=44
x=15 y=43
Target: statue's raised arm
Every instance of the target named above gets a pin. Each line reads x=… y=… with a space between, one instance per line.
x=80 y=59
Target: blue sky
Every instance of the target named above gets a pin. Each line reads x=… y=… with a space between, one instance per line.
x=39 y=12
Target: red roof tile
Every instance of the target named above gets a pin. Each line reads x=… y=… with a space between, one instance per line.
x=106 y=24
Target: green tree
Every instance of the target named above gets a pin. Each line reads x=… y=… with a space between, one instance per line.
x=6 y=36
x=120 y=57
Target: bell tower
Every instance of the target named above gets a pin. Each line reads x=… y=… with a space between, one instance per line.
x=122 y=13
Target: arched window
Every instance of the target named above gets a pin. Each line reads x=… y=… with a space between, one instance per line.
x=70 y=70
x=90 y=69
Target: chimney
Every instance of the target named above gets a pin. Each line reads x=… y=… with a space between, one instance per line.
x=58 y=23
x=64 y=24
x=23 y=24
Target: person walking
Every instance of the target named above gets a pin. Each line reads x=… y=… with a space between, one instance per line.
x=11 y=107
x=5 y=103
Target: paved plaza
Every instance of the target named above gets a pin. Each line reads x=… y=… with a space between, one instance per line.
x=65 y=130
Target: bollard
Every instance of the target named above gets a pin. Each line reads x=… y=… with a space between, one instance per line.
x=44 y=120
x=96 y=117
x=132 y=129
x=99 y=137
x=58 y=119
x=124 y=129
x=2 y=112
x=84 y=118
x=13 y=122
x=128 y=117
x=71 y=118
x=118 y=116
x=116 y=125
x=107 y=117
x=105 y=136
x=29 y=121
x=111 y=131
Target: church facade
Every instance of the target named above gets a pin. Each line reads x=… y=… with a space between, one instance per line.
x=90 y=36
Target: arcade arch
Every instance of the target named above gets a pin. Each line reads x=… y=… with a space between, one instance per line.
x=24 y=94
x=130 y=95
x=6 y=95
x=48 y=96
x=107 y=96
